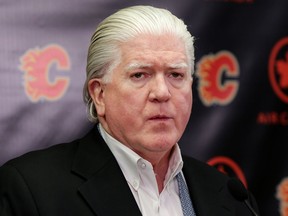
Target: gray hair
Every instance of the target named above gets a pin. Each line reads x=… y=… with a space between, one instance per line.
x=104 y=53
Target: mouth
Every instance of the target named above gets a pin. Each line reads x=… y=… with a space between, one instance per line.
x=160 y=118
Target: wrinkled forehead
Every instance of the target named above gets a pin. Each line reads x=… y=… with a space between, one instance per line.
x=166 y=41
x=146 y=50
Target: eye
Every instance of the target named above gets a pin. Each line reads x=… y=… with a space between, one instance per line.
x=139 y=79
x=138 y=75
x=176 y=75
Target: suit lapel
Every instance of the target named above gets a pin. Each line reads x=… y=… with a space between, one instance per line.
x=105 y=190
x=207 y=198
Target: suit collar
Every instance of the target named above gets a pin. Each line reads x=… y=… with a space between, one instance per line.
x=91 y=154
x=105 y=188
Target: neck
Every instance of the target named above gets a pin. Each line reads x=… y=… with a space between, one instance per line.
x=160 y=170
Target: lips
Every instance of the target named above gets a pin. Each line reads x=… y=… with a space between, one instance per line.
x=160 y=117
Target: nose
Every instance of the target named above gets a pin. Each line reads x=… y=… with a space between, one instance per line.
x=159 y=91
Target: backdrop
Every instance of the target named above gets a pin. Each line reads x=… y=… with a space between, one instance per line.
x=240 y=117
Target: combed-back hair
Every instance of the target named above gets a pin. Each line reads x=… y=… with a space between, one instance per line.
x=104 y=52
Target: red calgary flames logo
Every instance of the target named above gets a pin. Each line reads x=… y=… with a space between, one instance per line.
x=216 y=74
x=278 y=69
x=36 y=65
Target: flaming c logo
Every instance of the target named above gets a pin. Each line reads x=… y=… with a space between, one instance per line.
x=217 y=73
x=36 y=65
x=278 y=69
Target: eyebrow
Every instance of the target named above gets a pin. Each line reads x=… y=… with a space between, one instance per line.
x=178 y=65
x=139 y=65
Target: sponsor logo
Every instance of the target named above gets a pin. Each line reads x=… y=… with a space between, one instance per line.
x=278 y=69
x=229 y=167
x=273 y=118
x=282 y=196
x=37 y=65
x=278 y=76
x=216 y=74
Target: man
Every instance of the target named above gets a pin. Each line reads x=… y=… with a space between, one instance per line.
x=138 y=92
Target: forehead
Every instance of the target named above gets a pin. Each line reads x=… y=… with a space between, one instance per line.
x=151 y=50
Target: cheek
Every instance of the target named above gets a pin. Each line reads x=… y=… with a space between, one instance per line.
x=189 y=104
x=123 y=103
x=184 y=106
x=190 y=99
x=184 y=96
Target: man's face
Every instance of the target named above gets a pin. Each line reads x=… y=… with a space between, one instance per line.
x=148 y=101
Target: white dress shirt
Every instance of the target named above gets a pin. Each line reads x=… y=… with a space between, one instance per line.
x=142 y=182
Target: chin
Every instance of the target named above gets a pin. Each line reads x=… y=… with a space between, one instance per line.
x=162 y=144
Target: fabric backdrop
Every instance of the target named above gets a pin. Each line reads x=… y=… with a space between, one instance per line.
x=240 y=114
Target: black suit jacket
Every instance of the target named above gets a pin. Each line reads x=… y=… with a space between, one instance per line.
x=83 y=178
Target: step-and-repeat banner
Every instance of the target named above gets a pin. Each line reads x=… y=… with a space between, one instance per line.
x=239 y=122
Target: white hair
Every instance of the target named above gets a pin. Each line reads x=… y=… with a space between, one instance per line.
x=104 y=52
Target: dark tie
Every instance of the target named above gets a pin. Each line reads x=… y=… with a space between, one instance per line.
x=186 y=203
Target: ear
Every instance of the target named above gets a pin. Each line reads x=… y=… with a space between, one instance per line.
x=96 y=91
